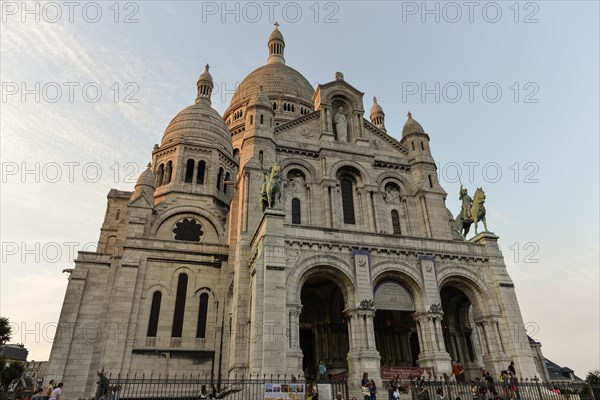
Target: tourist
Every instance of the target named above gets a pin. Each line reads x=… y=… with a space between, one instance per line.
x=490 y=384
x=474 y=390
x=366 y=392
x=460 y=377
x=393 y=387
x=439 y=394
x=203 y=392
x=55 y=395
x=48 y=390
x=322 y=370
x=373 y=389
x=422 y=392
x=511 y=368
x=313 y=390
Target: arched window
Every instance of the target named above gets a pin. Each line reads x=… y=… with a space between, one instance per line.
x=296 y=216
x=251 y=119
x=202 y=316
x=275 y=106
x=118 y=215
x=168 y=171
x=154 y=313
x=179 y=306
x=347 y=200
x=225 y=184
x=262 y=120
x=160 y=175
x=219 y=178
x=396 y=222
x=189 y=171
x=200 y=175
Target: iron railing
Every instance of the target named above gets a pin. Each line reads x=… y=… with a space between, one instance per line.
x=189 y=387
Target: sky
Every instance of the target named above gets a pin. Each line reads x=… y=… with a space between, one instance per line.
x=507 y=91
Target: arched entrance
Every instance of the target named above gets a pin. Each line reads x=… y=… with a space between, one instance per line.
x=323 y=327
x=460 y=331
x=395 y=329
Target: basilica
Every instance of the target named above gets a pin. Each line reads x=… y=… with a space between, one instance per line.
x=292 y=230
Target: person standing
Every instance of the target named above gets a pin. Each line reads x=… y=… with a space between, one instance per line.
x=511 y=368
x=48 y=390
x=322 y=370
x=57 y=392
x=373 y=389
x=366 y=392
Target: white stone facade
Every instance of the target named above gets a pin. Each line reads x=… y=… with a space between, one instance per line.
x=247 y=292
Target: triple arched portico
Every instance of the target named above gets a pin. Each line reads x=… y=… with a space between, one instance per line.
x=396 y=328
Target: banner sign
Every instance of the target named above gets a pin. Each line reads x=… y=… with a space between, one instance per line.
x=362 y=275
x=406 y=373
x=430 y=282
x=284 y=391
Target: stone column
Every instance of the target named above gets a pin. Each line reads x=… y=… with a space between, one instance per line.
x=363 y=356
x=294 y=358
x=433 y=352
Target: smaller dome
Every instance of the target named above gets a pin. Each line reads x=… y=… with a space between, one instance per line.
x=146 y=178
x=260 y=99
x=411 y=126
x=376 y=108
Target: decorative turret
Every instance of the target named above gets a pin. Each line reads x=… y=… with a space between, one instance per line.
x=259 y=113
x=276 y=46
x=145 y=184
x=411 y=126
x=205 y=86
x=377 y=115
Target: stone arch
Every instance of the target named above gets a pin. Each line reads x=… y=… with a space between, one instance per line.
x=190 y=210
x=395 y=177
x=470 y=284
x=401 y=273
x=365 y=177
x=175 y=276
x=295 y=163
x=338 y=270
x=206 y=289
x=157 y=286
x=345 y=95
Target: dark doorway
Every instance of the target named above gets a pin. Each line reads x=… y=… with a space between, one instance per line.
x=323 y=327
x=307 y=344
x=395 y=332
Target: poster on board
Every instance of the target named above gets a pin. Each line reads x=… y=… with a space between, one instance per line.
x=284 y=391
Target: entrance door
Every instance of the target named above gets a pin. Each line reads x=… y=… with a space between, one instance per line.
x=323 y=328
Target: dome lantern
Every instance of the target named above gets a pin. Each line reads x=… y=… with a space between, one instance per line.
x=276 y=46
x=377 y=115
x=205 y=86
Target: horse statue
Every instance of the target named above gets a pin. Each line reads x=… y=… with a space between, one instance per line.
x=473 y=211
x=271 y=186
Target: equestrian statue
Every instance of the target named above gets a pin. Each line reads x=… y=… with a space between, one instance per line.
x=271 y=186
x=472 y=211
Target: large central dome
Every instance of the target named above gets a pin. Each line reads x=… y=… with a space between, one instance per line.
x=288 y=91
x=276 y=80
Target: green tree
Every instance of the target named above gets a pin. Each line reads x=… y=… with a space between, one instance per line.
x=593 y=377
x=5 y=330
x=10 y=372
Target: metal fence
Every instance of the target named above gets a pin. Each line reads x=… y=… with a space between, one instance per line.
x=189 y=387
x=527 y=389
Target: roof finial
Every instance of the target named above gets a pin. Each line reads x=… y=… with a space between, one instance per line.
x=149 y=165
x=206 y=67
x=374 y=99
x=409 y=115
x=276 y=24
